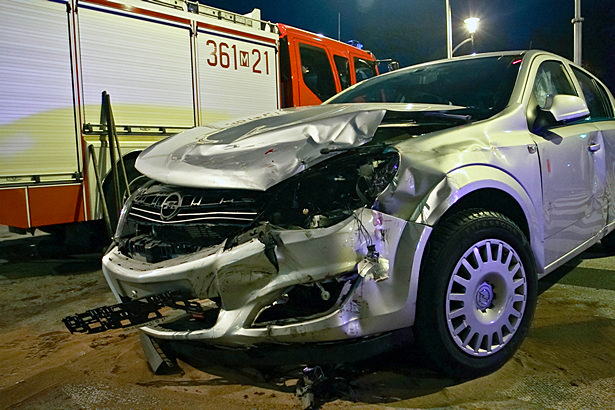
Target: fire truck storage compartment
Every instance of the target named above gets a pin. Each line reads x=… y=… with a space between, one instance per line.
x=37 y=119
x=143 y=64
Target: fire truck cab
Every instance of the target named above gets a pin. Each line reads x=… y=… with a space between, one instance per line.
x=314 y=68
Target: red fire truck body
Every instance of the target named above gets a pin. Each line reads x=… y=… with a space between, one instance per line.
x=167 y=65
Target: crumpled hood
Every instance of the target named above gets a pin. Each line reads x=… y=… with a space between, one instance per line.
x=259 y=152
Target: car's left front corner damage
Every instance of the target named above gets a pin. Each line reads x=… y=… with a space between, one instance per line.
x=306 y=260
x=322 y=252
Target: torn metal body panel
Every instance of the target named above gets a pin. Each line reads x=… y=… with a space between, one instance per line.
x=258 y=152
x=484 y=156
x=432 y=197
x=250 y=288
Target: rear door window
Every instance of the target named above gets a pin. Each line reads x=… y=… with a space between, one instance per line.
x=595 y=97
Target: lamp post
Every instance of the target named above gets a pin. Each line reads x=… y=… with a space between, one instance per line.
x=472 y=26
x=577 y=22
x=449 y=31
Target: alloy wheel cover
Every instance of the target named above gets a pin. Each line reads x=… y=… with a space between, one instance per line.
x=486 y=297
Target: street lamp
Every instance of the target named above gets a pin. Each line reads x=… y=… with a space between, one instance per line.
x=471 y=26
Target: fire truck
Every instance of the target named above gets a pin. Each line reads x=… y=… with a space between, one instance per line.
x=162 y=65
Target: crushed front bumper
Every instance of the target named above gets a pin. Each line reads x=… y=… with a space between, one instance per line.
x=352 y=279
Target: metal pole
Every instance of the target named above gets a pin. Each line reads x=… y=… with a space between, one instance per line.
x=467 y=40
x=112 y=152
x=339 y=26
x=577 y=22
x=449 y=31
x=101 y=191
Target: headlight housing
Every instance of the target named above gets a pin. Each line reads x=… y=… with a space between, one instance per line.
x=329 y=192
x=122 y=228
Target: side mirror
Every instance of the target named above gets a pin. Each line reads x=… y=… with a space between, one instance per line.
x=566 y=107
x=392 y=65
x=558 y=109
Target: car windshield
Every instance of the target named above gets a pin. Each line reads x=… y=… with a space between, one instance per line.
x=481 y=85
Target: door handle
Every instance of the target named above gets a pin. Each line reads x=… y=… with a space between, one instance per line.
x=594 y=147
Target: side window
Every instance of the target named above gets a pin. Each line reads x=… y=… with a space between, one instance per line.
x=343 y=70
x=363 y=70
x=317 y=71
x=551 y=79
x=595 y=97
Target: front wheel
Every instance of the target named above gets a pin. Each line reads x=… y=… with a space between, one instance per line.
x=477 y=293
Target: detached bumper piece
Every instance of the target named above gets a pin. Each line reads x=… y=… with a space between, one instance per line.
x=127 y=314
x=159 y=361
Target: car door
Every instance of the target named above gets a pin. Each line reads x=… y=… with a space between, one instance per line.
x=600 y=105
x=568 y=160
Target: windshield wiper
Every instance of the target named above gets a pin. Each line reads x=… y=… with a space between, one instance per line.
x=413 y=119
x=460 y=118
x=367 y=145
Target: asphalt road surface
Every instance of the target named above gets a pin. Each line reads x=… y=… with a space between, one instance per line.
x=566 y=362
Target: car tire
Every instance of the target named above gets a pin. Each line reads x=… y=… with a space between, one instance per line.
x=477 y=293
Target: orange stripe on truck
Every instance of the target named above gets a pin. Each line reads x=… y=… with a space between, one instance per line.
x=47 y=205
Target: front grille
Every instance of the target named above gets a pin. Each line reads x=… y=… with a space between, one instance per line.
x=168 y=221
x=189 y=208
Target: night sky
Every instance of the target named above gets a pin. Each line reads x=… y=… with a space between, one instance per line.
x=414 y=31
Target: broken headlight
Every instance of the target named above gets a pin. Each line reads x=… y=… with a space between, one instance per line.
x=123 y=228
x=329 y=192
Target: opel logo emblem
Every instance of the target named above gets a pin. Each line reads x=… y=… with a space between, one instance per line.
x=484 y=296
x=170 y=206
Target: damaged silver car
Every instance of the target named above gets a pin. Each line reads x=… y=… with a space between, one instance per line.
x=430 y=198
